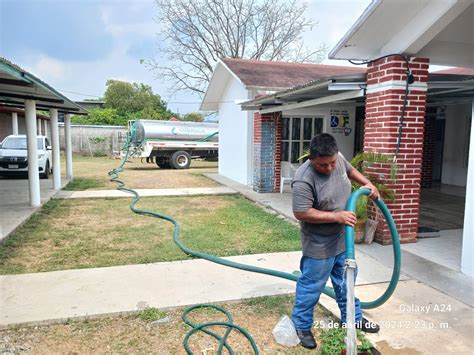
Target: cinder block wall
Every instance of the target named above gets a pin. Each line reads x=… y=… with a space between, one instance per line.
x=84 y=138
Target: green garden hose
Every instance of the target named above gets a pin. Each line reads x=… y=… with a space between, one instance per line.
x=222 y=340
x=349 y=235
x=351 y=203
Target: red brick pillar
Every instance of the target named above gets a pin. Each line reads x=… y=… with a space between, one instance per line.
x=267 y=152
x=385 y=94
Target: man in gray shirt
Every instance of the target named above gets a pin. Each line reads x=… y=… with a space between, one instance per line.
x=321 y=188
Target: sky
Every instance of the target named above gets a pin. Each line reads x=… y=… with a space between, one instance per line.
x=77 y=45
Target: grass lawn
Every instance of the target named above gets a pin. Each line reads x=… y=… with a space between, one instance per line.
x=137 y=334
x=86 y=233
x=91 y=173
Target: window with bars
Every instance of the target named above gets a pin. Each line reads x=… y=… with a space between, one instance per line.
x=296 y=135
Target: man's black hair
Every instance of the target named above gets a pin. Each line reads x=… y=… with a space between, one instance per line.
x=322 y=145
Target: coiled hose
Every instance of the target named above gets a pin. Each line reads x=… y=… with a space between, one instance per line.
x=349 y=239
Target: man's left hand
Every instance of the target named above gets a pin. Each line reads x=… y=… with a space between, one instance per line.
x=374 y=194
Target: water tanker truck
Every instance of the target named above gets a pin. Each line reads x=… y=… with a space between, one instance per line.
x=173 y=144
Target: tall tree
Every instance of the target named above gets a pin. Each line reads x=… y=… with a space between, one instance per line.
x=135 y=99
x=197 y=33
x=194 y=116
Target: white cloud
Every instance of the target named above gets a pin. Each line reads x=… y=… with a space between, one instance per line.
x=117 y=25
x=49 y=68
x=133 y=28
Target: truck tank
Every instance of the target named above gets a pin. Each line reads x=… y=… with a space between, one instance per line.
x=172 y=130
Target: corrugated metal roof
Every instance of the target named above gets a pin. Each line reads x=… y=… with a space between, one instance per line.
x=456 y=71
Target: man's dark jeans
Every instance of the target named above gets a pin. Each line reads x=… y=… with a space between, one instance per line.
x=314 y=275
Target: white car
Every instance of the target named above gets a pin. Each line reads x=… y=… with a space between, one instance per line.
x=13 y=156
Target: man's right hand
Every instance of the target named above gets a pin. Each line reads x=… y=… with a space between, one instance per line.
x=346 y=218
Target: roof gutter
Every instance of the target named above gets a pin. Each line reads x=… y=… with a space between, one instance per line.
x=313 y=102
x=285 y=93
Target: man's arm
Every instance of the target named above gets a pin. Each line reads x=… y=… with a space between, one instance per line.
x=356 y=176
x=303 y=210
x=313 y=215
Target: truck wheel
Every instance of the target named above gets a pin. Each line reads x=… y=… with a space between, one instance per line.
x=180 y=160
x=164 y=165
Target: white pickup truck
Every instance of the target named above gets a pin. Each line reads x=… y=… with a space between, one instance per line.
x=13 y=156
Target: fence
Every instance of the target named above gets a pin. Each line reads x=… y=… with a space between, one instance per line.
x=94 y=139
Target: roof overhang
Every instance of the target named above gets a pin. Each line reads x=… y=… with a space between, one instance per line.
x=17 y=85
x=449 y=89
x=442 y=89
x=441 y=30
x=319 y=92
x=221 y=76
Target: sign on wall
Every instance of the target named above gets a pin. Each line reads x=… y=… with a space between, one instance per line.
x=340 y=122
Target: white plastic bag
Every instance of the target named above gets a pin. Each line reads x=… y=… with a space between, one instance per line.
x=285 y=332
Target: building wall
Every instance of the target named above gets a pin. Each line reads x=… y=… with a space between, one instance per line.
x=234 y=140
x=344 y=135
x=5 y=125
x=456 y=144
x=467 y=263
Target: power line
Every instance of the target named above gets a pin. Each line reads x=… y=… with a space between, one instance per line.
x=168 y=102
x=79 y=93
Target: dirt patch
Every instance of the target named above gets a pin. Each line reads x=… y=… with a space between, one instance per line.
x=133 y=335
x=138 y=174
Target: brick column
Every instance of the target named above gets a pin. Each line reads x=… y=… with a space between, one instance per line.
x=384 y=101
x=267 y=152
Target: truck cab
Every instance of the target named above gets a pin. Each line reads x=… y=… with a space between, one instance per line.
x=14 y=160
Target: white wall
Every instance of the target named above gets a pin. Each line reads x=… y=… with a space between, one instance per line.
x=467 y=262
x=456 y=143
x=235 y=143
x=345 y=143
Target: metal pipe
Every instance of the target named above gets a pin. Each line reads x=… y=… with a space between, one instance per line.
x=351 y=337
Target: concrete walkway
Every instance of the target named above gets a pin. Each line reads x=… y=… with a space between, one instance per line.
x=56 y=296
x=219 y=190
x=15 y=206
